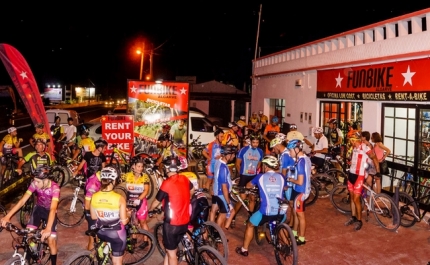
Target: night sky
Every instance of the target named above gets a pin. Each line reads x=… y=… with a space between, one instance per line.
x=80 y=44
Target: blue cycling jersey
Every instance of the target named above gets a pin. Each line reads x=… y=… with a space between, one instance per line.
x=303 y=167
x=250 y=158
x=271 y=186
x=221 y=176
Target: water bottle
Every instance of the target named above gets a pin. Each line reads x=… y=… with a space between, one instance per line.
x=33 y=247
x=106 y=249
x=196 y=232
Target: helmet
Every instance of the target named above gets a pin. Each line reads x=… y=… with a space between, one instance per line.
x=253 y=137
x=232 y=124
x=11 y=129
x=228 y=149
x=183 y=164
x=275 y=141
x=100 y=143
x=293 y=126
x=281 y=136
x=136 y=159
x=295 y=143
x=172 y=164
x=318 y=130
x=275 y=119
x=84 y=131
x=166 y=127
x=260 y=112
x=40 y=140
x=242 y=117
x=332 y=120
x=271 y=162
x=41 y=172
x=218 y=131
x=39 y=125
x=164 y=137
x=108 y=173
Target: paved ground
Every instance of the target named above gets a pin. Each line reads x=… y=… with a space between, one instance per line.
x=328 y=242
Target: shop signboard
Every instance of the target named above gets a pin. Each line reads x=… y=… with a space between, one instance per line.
x=154 y=105
x=394 y=81
x=118 y=129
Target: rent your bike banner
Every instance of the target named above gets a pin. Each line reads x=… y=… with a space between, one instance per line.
x=156 y=104
x=26 y=85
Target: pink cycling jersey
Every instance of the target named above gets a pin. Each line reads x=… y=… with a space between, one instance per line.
x=92 y=186
x=45 y=196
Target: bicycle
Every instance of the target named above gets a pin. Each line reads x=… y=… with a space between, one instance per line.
x=70 y=210
x=385 y=211
x=124 y=156
x=280 y=236
x=191 y=248
x=11 y=163
x=29 y=249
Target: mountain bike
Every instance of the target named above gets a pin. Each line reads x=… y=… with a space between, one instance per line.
x=70 y=210
x=280 y=236
x=119 y=160
x=385 y=211
x=29 y=249
x=9 y=175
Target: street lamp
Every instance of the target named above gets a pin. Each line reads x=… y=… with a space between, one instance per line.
x=141 y=52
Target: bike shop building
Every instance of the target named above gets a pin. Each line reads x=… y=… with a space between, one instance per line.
x=374 y=77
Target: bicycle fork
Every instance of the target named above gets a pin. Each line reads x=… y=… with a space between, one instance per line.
x=75 y=198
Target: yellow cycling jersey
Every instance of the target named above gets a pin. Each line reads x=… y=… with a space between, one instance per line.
x=192 y=177
x=9 y=141
x=241 y=123
x=44 y=136
x=106 y=206
x=264 y=119
x=87 y=144
x=135 y=186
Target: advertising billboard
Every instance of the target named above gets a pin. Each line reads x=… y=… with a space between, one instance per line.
x=117 y=130
x=54 y=94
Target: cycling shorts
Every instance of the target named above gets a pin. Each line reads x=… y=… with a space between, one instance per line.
x=90 y=221
x=172 y=235
x=116 y=238
x=221 y=202
x=142 y=212
x=356 y=187
x=244 y=179
x=258 y=218
x=38 y=214
x=298 y=201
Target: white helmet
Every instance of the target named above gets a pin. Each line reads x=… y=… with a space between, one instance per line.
x=242 y=117
x=11 y=129
x=318 y=130
x=109 y=173
x=281 y=136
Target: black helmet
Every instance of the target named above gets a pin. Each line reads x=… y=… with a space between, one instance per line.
x=84 y=131
x=164 y=137
x=40 y=140
x=172 y=163
x=41 y=172
x=100 y=143
x=136 y=159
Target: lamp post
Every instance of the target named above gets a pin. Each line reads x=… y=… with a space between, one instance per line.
x=141 y=52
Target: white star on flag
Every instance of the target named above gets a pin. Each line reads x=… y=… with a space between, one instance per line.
x=23 y=75
x=183 y=91
x=408 y=76
x=339 y=81
x=133 y=89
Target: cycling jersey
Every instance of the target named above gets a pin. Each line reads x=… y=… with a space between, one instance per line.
x=221 y=176
x=43 y=136
x=359 y=158
x=271 y=186
x=9 y=141
x=285 y=160
x=45 y=196
x=92 y=185
x=253 y=122
x=87 y=144
x=175 y=194
x=94 y=163
x=250 y=157
x=192 y=178
x=37 y=160
x=106 y=205
x=270 y=131
x=57 y=131
x=241 y=123
x=303 y=167
x=335 y=134
x=135 y=187
x=214 y=150
x=168 y=151
x=230 y=138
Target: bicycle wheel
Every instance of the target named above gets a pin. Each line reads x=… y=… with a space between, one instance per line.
x=286 y=251
x=339 y=198
x=121 y=190
x=15 y=261
x=83 y=257
x=338 y=175
x=201 y=167
x=215 y=237
x=44 y=254
x=313 y=195
x=207 y=255
x=136 y=250
x=151 y=187
x=327 y=181
x=408 y=210
x=158 y=234
x=70 y=211
x=260 y=234
x=386 y=212
x=25 y=211
x=59 y=176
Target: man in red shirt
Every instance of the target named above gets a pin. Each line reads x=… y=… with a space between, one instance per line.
x=175 y=193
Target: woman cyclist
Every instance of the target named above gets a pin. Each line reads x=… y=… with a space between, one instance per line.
x=108 y=208
x=48 y=193
x=137 y=185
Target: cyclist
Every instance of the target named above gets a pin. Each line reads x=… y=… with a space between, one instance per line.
x=40 y=134
x=38 y=158
x=57 y=131
x=137 y=185
x=294 y=134
x=336 y=136
x=48 y=194
x=86 y=144
x=242 y=125
x=254 y=123
x=10 y=145
x=222 y=187
x=94 y=161
x=270 y=185
x=278 y=146
x=212 y=153
x=175 y=193
x=319 y=148
x=270 y=132
x=263 y=120
x=231 y=137
x=108 y=210
x=248 y=162
x=301 y=188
